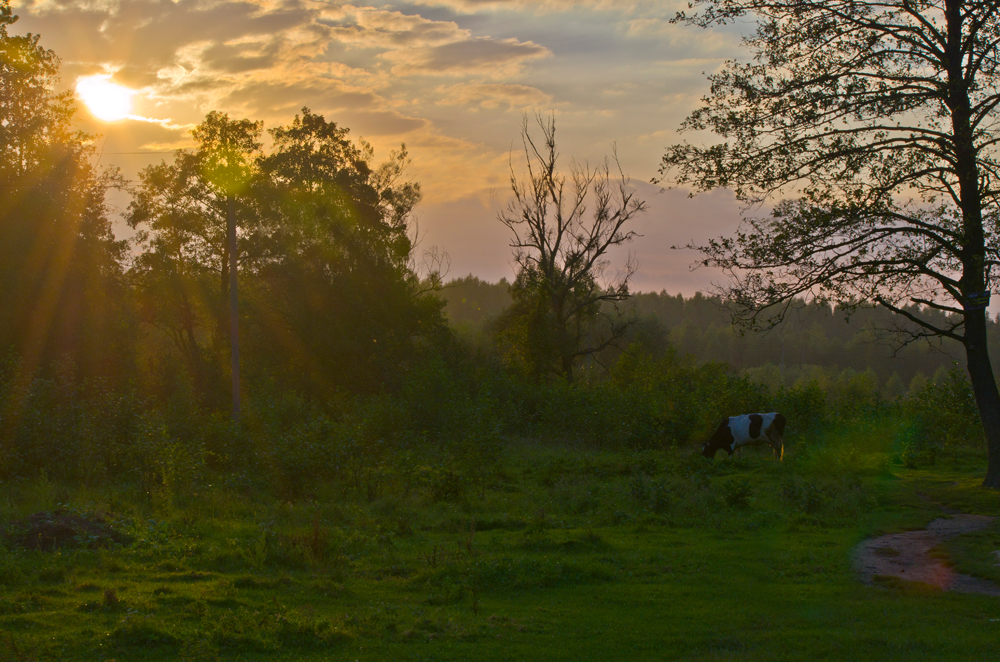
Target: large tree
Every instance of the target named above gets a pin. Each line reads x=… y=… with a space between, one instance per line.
x=875 y=123
x=328 y=300
x=186 y=214
x=61 y=292
x=565 y=295
x=339 y=305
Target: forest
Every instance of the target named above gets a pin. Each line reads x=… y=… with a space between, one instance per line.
x=818 y=341
x=422 y=466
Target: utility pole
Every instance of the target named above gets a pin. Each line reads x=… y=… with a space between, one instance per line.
x=234 y=318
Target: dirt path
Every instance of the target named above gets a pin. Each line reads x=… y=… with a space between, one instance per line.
x=906 y=555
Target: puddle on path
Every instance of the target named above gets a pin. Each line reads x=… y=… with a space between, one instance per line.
x=906 y=556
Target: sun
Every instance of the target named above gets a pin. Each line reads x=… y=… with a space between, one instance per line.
x=106 y=100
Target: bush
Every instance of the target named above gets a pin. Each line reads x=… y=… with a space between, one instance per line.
x=737 y=492
x=945 y=415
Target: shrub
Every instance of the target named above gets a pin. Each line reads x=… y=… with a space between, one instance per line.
x=737 y=492
x=945 y=414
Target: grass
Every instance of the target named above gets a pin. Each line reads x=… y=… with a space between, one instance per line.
x=570 y=555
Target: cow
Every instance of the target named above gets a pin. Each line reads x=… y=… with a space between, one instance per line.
x=748 y=430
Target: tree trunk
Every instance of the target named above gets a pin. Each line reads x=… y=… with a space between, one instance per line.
x=224 y=280
x=234 y=319
x=221 y=323
x=973 y=253
x=984 y=386
x=567 y=368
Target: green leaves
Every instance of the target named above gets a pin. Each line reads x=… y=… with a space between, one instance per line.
x=227 y=150
x=861 y=114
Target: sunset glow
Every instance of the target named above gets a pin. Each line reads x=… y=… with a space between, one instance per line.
x=452 y=79
x=107 y=101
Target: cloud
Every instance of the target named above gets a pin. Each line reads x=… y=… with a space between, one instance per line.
x=382 y=123
x=132 y=136
x=242 y=57
x=649 y=26
x=156 y=30
x=152 y=32
x=480 y=56
x=368 y=27
x=417 y=45
x=493 y=95
x=280 y=98
x=551 y=6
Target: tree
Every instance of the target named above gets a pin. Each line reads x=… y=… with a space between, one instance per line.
x=876 y=120
x=327 y=297
x=339 y=304
x=187 y=211
x=61 y=291
x=227 y=150
x=563 y=290
x=325 y=187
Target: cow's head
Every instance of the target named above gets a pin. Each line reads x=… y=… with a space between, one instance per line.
x=722 y=438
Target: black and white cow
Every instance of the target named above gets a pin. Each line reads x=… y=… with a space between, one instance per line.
x=748 y=430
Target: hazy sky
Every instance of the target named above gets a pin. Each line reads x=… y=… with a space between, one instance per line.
x=450 y=78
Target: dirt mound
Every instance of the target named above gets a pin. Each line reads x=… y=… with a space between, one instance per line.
x=61 y=529
x=907 y=556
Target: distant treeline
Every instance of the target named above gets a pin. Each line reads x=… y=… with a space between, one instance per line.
x=816 y=342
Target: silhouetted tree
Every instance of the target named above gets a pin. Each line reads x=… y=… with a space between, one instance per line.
x=339 y=306
x=61 y=291
x=186 y=213
x=564 y=298
x=878 y=120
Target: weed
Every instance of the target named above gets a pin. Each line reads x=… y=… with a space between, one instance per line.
x=660 y=497
x=813 y=498
x=143 y=631
x=199 y=649
x=110 y=600
x=639 y=488
x=17 y=653
x=737 y=492
x=575 y=495
x=470 y=541
x=474 y=597
x=52 y=575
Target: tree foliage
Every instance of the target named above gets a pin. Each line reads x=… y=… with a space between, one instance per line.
x=329 y=300
x=60 y=266
x=180 y=210
x=876 y=120
x=339 y=297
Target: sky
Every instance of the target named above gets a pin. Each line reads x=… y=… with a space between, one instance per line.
x=452 y=79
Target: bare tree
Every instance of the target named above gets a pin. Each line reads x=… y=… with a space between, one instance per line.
x=566 y=294
x=876 y=120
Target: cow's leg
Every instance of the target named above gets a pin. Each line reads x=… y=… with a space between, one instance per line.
x=778 y=446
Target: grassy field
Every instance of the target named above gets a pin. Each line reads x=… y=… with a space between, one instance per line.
x=570 y=555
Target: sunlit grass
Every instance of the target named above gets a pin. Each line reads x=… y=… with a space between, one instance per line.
x=570 y=554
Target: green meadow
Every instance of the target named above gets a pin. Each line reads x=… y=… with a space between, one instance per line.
x=243 y=416
x=567 y=553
